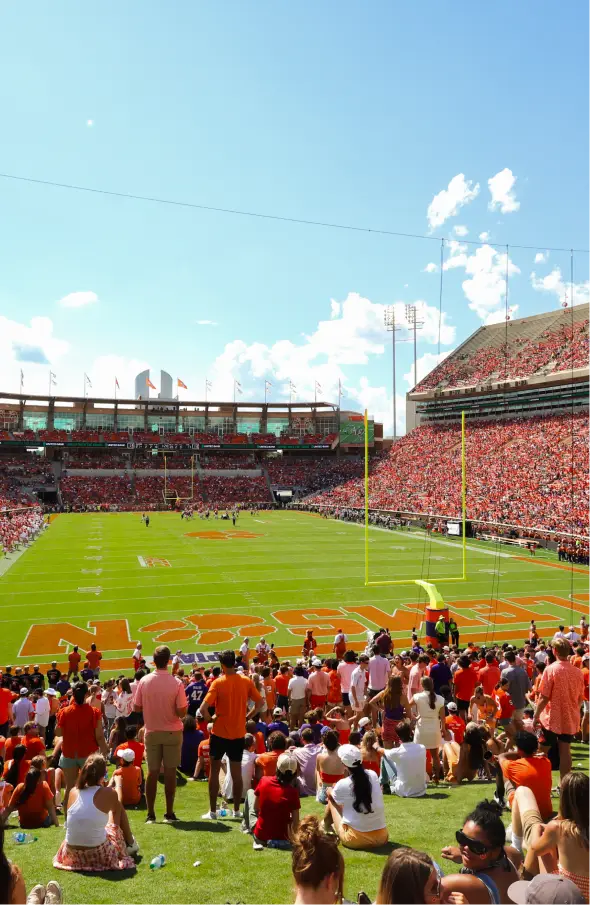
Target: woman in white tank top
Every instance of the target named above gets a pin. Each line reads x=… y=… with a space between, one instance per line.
x=98 y=836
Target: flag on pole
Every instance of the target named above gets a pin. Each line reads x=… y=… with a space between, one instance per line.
x=292 y=387
x=180 y=383
x=318 y=387
x=117 y=384
x=149 y=383
x=52 y=378
x=238 y=386
x=87 y=380
x=22 y=378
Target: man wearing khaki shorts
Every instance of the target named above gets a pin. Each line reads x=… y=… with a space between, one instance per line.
x=162 y=699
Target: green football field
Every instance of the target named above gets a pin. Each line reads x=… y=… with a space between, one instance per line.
x=105 y=576
x=108 y=578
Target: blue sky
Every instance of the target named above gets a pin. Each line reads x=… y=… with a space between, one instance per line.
x=343 y=112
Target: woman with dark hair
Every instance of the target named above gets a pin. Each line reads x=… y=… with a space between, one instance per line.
x=395 y=706
x=329 y=767
x=33 y=799
x=80 y=727
x=98 y=836
x=117 y=736
x=414 y=878
x=124 y=698
x=430 y=727
x=191 y=739
x=16 y=769
x=561 y=846
x=345 y=670
x=488 y=865
x=271 y=812
x=465 y=760
x=317 y=864
x=355 y=804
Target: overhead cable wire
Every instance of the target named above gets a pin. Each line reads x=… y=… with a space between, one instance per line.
x=131 y=196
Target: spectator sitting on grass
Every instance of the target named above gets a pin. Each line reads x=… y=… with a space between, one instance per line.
x=355 y=804
x=191 y=739
x=33 y=799
x=271 y=812
x=248 y=759
x=413 y=878
x=117 y=736
x=127 y=779
x=317 y=864
x=266 y=764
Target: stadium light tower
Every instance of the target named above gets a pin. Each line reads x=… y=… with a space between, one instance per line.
x=390 y=324
x=414 y=323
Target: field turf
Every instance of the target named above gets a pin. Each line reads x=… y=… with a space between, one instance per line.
x=108 y=578
x=85 y=576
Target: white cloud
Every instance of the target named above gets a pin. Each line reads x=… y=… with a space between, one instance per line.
x=502 y=191
x=352 y=338
x=460 y=231
x=448 y=201
x=32 y=347
x=541 y=257
x=424 y=365
x=483 y=237
x=555 y=283
x=78 y=299
x=89 y=122
x=334 y=308
x=486 y=271
x=430 y=268
x=207 y=323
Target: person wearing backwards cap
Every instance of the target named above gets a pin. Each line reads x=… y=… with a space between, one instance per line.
x=355 y=804
x=271 y=812
x=278 y=724
x=126 y=780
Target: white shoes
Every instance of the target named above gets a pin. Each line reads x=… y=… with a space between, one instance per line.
x=50 y=894
x=133 y=849
x=209 y=815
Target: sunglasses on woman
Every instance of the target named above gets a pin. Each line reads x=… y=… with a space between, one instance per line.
x=474 y=846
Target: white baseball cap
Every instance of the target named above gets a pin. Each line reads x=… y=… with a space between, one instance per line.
x=452 y=707
x=126 y=754
x=350 y=755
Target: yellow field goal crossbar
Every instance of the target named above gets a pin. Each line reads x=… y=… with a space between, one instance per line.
x=172 y=494
x=406 y=581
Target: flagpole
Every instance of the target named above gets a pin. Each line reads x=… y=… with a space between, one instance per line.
x=206 y=388
x=115 y=387
x=22 y=380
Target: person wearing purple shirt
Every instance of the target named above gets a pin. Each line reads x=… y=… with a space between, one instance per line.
x=440 y=674
x=277 y=724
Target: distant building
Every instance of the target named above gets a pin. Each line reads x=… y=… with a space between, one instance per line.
x=165 y=386
x=142 y=390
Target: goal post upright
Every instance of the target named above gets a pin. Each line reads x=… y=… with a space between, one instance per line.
x=409 y=581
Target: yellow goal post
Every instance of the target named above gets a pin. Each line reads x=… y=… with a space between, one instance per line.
x=407 y=581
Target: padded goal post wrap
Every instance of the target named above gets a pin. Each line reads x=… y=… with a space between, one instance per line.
x=431 y=617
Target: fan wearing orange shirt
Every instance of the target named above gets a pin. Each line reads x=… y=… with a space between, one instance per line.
x=229 y=695
x=585 y=703
x=282 y=688
x=34 y=745
x=5 y=710
x=270 y=690
x=266 y=764
x=74 y=662
x=464 y=680
x=126 y=780
x=94 y=657
x=33 y=799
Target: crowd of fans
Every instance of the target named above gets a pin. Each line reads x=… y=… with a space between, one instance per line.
x=346 y=730
x=521 y=471
x=556 y=349
x=81 y=493
x=18 y=526
x=225 y=491
x=312 y=473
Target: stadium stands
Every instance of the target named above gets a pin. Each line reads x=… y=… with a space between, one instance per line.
x=522 y=471
x=487 y=356
x=311 y=474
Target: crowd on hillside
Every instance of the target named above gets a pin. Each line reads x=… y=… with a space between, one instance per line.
x=530 y=471
x=346 y=730
x=556 y=349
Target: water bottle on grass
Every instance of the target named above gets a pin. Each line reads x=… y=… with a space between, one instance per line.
x=157 y=862
x=23 y=838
